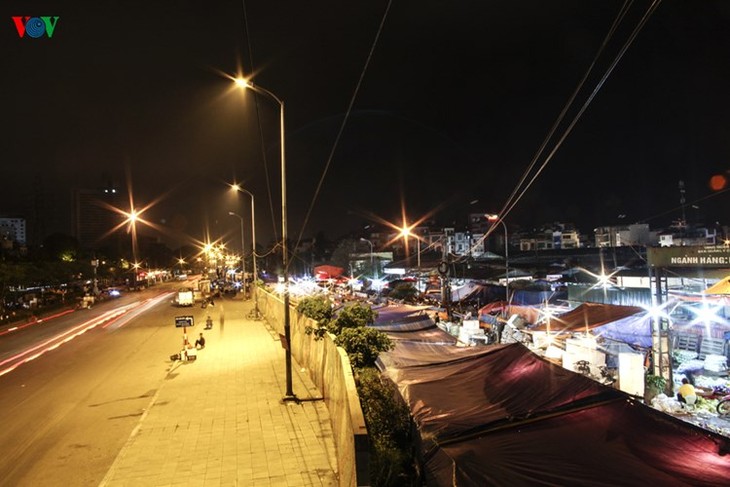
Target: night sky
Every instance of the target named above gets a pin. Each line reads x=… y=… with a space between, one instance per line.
x=456 y=100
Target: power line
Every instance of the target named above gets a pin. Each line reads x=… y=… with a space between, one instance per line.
x=513 y=200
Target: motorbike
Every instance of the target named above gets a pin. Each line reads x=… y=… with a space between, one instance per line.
x=723 y=405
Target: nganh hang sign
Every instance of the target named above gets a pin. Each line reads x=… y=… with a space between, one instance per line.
x=705 y=256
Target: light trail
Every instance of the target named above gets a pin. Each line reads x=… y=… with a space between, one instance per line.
x=36 y=322
x=120 y=316
x=141 y=308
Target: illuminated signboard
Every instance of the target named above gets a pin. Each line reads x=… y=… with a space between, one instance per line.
x=707 y=257
x=183 y=321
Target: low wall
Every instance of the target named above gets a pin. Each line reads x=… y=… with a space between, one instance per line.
x=329 y=369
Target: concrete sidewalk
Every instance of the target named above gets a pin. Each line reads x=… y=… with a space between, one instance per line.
x=220 y=420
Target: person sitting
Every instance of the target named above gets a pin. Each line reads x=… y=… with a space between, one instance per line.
x=686 y=393
x=200 y=342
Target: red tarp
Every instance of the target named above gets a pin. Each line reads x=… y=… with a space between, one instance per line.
x=501 y=415
x=531 y=314
x=322 y=272
x=588 y=315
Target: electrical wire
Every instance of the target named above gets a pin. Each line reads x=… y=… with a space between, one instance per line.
x=513 y=200
x=260 y=127
x=337 y=138
x=344 y=123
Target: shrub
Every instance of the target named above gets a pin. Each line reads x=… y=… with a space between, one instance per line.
x=318 y=309
x=363 y=345
x=389 y=428
x=353 y=316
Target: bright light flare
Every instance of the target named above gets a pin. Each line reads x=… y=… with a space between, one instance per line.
x=378 y=284
x=242 y=83
x=706 y=314
x=603 y=280
x=658 y=312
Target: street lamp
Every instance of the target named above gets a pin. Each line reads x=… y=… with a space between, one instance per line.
x=375 y=273
x=132 y=218
x=243 y=83
x=236 y=187
x=406 y=233
x=243 y=253
x=495 y=218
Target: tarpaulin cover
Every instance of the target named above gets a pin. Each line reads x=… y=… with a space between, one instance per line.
x=463 y=292
x=530 y=314
x=456 y=395
x=634 y=330
x=395 y=313
x=328 y=271
x=407 y=324
x=501 y=415
x=493 y=307
x=721 y=287
x=588 y=315
x=431 y=334
x=616 y=444
x=418 y=354
x=528 y=297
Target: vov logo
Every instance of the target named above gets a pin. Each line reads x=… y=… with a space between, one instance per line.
x=35 y=27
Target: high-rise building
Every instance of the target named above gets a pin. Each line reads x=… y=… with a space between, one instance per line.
x=94 y=218
x=13 y=230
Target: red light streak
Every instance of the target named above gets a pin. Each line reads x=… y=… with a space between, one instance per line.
x=106 y=320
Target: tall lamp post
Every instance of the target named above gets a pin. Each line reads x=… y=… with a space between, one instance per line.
x=132 y=217
x=495 y=218
x=406 y=233
x=243 y=83
x=375 y=273
x=243 y=253
x=236 y=187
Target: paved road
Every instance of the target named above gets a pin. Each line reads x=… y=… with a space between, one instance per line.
x=68 y=412
x=110 y=408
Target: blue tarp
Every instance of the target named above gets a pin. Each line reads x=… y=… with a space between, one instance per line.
x=634 y=330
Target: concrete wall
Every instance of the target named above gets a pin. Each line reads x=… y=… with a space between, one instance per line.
x=329 y=369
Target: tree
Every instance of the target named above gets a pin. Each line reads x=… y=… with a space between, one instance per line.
x=363 y=345
x=59 y=246
x=321 y=248
x=353 y=316
x=341 y=255
x=389 y=428
x=319 y=309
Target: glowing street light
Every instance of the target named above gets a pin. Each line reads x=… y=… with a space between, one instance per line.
x=406 y=233
x=243 y=252
x=495 y=218
x=257 y=314
x=243 y=83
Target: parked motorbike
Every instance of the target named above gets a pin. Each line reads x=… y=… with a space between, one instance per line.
x=723 y=406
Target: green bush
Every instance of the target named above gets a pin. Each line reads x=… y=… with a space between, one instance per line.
x=363 y=345
x=319 y=309
x=353 y=316
x=655 y=382
x=389 y=428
